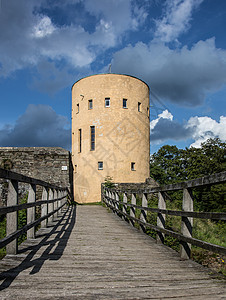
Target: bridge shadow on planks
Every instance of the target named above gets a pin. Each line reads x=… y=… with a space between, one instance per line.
x=60 y=228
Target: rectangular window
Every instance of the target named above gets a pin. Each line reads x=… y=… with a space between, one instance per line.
x=132 y=166
x=100 y=165
x=107 y=102
x=124 y=104
x=80 y=140
x=148 y=112
x=139 y=106
x=78 y=108
x=90 y=104
x=92 y=138
x=75 y=168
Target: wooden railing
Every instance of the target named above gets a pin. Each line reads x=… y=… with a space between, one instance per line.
x=126 y=209
x=54 y=198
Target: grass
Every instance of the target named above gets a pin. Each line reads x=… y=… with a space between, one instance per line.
x=214 y=233
x=210 y=231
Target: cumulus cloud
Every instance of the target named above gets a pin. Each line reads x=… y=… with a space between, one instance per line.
x=175 y=20
x=164 y=115
x=28 y=35
x=183 y=76
x=117 y=14
x=165 y=128
x=204 y=128
x=39 y=126
x=198 y=129
x=43 y=28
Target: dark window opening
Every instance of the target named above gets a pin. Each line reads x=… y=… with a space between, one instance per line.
x=139 y=106
x=92 y=138
x=107 y=102
x=80 y=140
x=100 y=165
x=78 y=108
x=90 y=104
x=132 y=166
x=124 y=104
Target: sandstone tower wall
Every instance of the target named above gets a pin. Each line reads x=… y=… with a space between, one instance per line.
x=110 y=133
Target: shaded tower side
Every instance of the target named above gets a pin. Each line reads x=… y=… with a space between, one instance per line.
x=110 y=133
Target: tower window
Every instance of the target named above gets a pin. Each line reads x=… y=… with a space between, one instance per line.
x=148 y=112
x=133 y=166
x=92 y=138
x=107 y=102
x=75 y=168
x=139 y=106
x=90 y=104
x=100 y=165
x=78 y=108
x=124 y=103
x=80 y=140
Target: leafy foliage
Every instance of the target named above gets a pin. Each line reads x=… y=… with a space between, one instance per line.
x=108 y=182
x=171 y=165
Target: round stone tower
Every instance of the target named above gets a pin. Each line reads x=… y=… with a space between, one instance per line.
x=110 y=133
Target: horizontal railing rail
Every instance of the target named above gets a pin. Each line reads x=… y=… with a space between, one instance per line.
x=110 y=196
x=54 y=198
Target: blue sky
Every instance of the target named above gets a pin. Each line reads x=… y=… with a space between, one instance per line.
x=178 y=47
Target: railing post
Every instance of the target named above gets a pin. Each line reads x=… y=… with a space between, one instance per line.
x=55 y=204
x=107 y=197
x=31 y=210
x=12 y=218
x=59 y=202
x=112 y=203
x=50 y=205
x=64 y=195
x=124 y=207
x=102 y=193
x=143 y=215
x=113 y=195
x=110 y=194
x=186 y=224
x=116 y=203
x=161 y=217
x=44 y=207
x=132 y=209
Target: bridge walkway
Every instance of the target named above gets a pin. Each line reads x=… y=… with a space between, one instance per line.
x=90 y=253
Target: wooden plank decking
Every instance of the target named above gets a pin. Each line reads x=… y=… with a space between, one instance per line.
x=95 y=255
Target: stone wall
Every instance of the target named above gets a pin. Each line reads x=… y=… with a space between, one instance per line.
x=149 y=183
x=51 y=164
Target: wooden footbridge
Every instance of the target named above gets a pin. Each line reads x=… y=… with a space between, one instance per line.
x=88 y=252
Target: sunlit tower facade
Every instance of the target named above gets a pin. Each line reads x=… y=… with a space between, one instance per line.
x=110 y=133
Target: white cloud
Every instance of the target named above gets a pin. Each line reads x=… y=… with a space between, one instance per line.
x=165 y=128
x=28 y=35
x=43 y=28
x=205 y=128
x=198 y=129
x=183 y=76
x=164 y=115
x=118 y=14
x=176 y=19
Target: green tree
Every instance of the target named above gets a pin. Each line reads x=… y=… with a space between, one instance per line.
x=168 y=165
x=171 y=165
